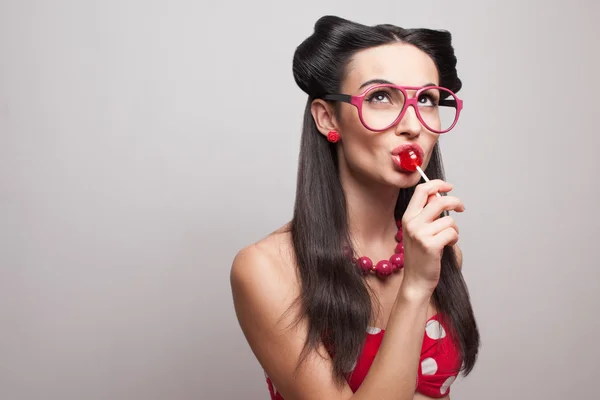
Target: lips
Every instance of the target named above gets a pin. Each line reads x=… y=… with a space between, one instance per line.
x=406 y=147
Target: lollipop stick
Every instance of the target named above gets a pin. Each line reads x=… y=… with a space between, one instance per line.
x=426 y=179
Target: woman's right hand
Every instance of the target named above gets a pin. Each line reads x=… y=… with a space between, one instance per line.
x=425 y=234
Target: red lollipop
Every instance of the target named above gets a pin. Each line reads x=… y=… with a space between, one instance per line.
x=410 y=160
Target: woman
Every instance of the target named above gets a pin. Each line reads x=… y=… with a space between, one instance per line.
x=324 y=318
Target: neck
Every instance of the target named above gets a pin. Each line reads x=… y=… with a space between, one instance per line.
x=371 y=221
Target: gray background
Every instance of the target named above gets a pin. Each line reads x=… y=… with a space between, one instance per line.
x=142 y=143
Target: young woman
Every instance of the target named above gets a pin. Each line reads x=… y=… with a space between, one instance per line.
x=324 y=316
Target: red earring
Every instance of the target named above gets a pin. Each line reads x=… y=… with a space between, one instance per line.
x=333 y=136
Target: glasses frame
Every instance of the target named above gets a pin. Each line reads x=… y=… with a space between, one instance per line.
x=357 y=101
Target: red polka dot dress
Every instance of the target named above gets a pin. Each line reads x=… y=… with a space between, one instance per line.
x=438 y=367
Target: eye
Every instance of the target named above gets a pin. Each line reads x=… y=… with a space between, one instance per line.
x=428 y=100
x=379 y=97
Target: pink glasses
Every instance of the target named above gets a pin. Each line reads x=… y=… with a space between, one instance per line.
x=382 y=106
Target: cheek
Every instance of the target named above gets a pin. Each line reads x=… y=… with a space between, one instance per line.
x=349 y=119
x=355 y=135
x=430 y=146
x=364 y=149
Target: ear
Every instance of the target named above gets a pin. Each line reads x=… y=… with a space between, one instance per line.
x=324 y=116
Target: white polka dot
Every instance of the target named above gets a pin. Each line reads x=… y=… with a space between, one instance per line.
x=372 y=330
x=447 y=384
x=429 y=366
x=435 y=330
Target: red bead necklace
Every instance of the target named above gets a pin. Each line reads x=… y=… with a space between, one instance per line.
x=384 y=268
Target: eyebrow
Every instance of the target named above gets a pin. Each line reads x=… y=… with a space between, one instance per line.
x=386 y=82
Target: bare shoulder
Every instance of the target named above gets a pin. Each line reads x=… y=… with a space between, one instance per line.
x=269 y=260
x=264 y=285
x=265 y=288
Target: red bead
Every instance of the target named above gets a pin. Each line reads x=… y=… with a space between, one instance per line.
x=365 y=264
x=400 y=248
x=397 y=261
x=399 y=235
x=383 y=268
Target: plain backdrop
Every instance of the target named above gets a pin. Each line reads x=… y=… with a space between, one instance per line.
x=143 y=143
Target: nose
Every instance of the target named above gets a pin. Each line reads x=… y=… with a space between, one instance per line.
x=409 y=124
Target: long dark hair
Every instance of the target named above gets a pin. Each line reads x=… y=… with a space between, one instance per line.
x=334 y=297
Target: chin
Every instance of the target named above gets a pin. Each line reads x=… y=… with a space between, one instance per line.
x=403 y=180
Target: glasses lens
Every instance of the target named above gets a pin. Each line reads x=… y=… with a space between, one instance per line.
x=438 y=109
x=381 y=106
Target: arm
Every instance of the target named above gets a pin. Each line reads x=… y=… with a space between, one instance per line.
x=393 y=374
x=263 y=292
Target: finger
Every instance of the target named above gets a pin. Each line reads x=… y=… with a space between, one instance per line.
x=431 y=198
x=447 y=237
x=441 y=224
x=421 y=195
x=434 y=209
